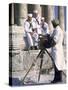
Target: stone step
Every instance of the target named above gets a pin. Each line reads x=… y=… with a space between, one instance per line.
x=23 y=60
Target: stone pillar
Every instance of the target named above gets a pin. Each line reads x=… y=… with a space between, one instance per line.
x=22 y=13
x=44 y=12
x=61 y=16
x=37 y=7
x=22 y=16
x=12 y=14
x=50 y=16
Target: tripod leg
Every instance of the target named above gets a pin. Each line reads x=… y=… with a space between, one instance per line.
x=32 y=65
x=50 y=56
x=40 y=66
x=28 y=71
x=40 y=69
x=42 y=61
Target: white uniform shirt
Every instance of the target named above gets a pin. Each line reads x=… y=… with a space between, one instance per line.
x=32 y=39
x=57 y=50
x=27 y=26
x=44 y=28
x=37 y=22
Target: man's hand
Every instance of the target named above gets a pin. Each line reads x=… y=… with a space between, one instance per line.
x=31 y=33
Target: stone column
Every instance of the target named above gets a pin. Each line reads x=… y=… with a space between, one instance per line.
x=22 y=13
x=12 y=19
x=50 y=16
x=37 y=7
x=61 y=16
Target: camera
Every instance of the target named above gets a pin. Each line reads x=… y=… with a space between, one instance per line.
x=46 y=41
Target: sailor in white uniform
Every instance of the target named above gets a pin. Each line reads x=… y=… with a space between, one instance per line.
x=31 y=33
x=44 y=27
x=37 y=20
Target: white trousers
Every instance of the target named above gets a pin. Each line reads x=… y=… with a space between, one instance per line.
x=32 y=40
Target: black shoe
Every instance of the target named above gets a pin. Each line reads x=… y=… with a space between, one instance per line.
x=58 y=77
x=56 y=81
x=31 y=48
x=35 y=47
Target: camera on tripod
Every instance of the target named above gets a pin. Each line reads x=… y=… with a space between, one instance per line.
x=46 y=41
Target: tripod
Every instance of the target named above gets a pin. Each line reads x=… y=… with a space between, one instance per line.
x=41 y=54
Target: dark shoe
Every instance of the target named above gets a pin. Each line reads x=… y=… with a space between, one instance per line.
x=56 y=81
x=35 y=47
x=58 y=77
x=31 y=48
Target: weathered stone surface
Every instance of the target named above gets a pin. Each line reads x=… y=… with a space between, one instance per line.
x=16 y=37
x=22 y=60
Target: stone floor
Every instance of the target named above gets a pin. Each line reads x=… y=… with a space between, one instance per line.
x=22 y=60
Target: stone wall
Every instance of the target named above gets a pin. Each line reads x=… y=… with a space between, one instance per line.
x=16 y=37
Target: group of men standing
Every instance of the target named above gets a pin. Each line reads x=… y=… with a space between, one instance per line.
x=35 y=26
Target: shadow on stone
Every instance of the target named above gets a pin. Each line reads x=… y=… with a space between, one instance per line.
x=15 y=82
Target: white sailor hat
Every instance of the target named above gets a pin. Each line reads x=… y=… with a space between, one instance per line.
x=29 y=15
x=35 y=11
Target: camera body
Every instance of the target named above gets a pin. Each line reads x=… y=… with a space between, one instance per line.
x=46 y=41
